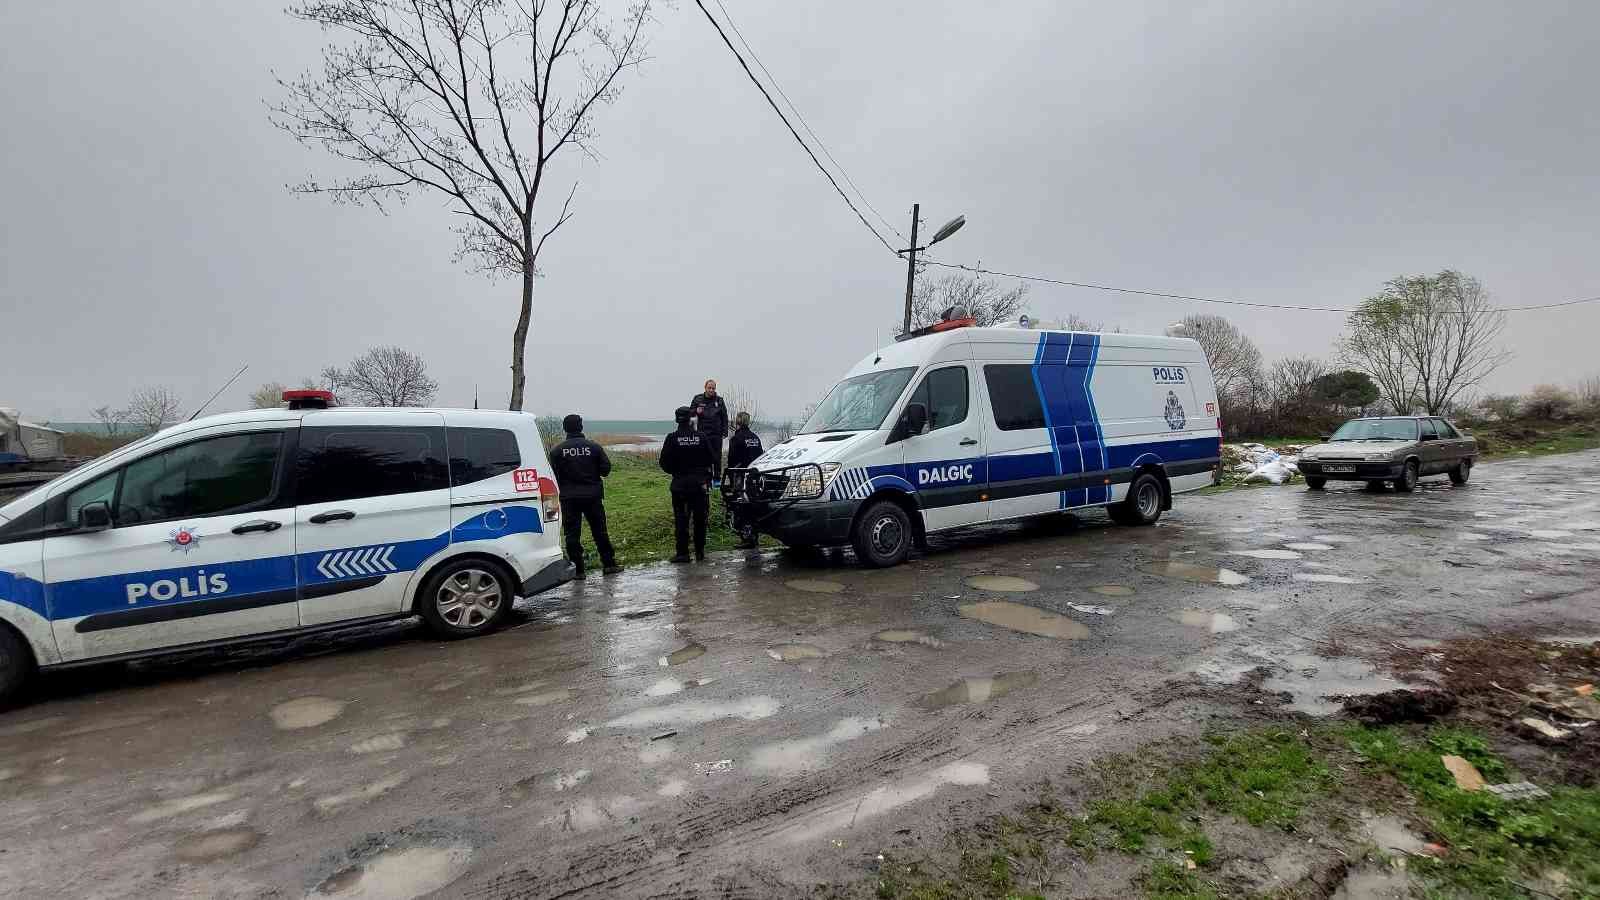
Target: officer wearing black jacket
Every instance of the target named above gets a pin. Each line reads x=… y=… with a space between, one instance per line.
x=686 y=456
x=711 y=419
x=743 y=449
x=579 y=466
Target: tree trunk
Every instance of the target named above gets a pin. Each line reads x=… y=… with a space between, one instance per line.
x=519 y=339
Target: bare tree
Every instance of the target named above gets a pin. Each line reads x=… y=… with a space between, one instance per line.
x=267 y=396
x=1426 y=339
x=1234 y=359
x=386 y=376
x=470 y=99
x=110 y=419
x=742 y=399
x=152 y=407
x=978 y=296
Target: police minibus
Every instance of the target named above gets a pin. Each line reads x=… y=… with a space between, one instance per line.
x=275 y=522
x=958 y=425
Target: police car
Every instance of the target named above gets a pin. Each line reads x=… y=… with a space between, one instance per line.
x=274 y=522
x=958 y=425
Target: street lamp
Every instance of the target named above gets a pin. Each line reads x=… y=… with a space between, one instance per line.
x=949 y=228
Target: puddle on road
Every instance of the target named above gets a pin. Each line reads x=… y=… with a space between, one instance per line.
x=1308 y=545
x=1390 y=835
x=1324 y=578
x=1026 y=619
x=39 y=724
x=815 y=586
x=1549 y=534
x=176 y=806
x=795 y=652
x=1216 y=623
x=1199 y=574
x=672 y=787
x=842 y=815
x=683 y=654
x=397 y=874
x=663 y=688
x=566 y=781
x=1311 y=679
x=306 y=712
x=1335 y=538
x=1009 y=584
x=518 y=689
x=110 y=723
x=208 y=846
x=907 y=636
x=978 y=690
x=1268 y=553
x=1472 y=536
x=545 y=698
x=698 y=713
x=577 y=735
x=331 y=804
x=380 y=744
x=806 y=754
x=1113 y=590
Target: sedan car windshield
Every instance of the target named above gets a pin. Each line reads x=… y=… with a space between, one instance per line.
x=1377 y=430
x=860 y=403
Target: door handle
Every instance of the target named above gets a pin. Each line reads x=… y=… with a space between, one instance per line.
x=969 y=442
x=256 y=525
x=332 y=515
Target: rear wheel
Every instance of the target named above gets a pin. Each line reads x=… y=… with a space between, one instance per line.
x=465 y=598
x=1461 y=472
x=16 y=667
x=1315 y=483
x=1143 y=503
x=882 y=536
x=1407 y=482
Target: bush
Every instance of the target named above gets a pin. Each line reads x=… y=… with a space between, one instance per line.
x=1548 y=402
x=1588 y=397
x=1500 y=406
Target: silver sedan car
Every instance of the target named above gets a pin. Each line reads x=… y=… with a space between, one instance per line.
x=1398 y=449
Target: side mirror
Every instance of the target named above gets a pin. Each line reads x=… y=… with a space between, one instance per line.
x=1324 y=438
x=94 y=516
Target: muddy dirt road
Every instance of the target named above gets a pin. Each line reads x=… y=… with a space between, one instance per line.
x=761 y=723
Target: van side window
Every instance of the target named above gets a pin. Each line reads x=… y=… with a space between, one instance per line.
x=345 y=463
x=227 y=474
x=944 y=393
x=479 y=453
x=1013 y=397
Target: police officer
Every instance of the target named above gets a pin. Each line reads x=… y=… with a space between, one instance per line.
x=743 y=449
x=686 y=456
x=579 y=466
x=711 y=420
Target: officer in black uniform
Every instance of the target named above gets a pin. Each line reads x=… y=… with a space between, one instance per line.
x=743 y=449
x=579 y=466
x=711 y=419
x=686 y=456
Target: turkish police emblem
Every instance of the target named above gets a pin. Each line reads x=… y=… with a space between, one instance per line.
x=1174 y=412
x=184 y=538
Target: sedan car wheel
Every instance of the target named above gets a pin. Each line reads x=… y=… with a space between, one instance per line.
x=1407 y=482
x=1461 y=472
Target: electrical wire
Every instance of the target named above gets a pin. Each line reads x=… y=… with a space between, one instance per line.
x=860 y=194
x=801 y=141
x=979 y=270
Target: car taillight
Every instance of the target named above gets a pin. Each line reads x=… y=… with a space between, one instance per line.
x=549 y=499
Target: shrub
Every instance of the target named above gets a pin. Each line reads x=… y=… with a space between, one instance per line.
x=1501 y=406
x=1548 y=402
x=1588 y=397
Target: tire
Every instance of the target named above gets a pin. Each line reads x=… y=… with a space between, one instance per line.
x=1143 y=503
x=465 y=598
x=1407 y=482
x=1315 y=483
x=16 y=667
x=882 y=536
x=1461 y=472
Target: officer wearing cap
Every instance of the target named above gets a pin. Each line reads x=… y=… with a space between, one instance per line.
x=579 y=465
x=686 y=456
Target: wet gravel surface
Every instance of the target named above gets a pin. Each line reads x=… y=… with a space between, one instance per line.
x=761 y=723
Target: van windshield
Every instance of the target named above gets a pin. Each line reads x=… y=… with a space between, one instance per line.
x=1377 y=430
x=860 y=403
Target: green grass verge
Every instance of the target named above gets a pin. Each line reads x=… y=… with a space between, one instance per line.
x=1153 y=811
x=639 y=513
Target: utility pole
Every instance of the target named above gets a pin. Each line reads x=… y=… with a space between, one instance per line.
x=911 y=265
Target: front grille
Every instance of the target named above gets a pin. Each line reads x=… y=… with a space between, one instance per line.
x=752 y=486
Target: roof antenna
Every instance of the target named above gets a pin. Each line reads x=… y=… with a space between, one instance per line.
x=219 y=391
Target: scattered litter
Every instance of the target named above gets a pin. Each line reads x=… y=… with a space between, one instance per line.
x=1521 y=790
x=1467 y=776
x=663 y=735
x=1544 y=728
x=711 y=768
x=1584 y=690
x=1403 y=705
x=1092 y=610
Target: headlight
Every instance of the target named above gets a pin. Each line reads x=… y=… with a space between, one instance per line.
x=809 y=482
x=1377 y=457
x=1309 y=457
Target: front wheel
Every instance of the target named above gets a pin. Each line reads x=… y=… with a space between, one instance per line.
x=882 y=536
x=1143 y=503
x=16 y=667
x=1461 y=472
x=465 y=598
x=1407 y=482
x=1315 y=483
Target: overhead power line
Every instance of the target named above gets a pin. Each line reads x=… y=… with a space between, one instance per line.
x=772 y=80
x=979 y=270
x=801 y=141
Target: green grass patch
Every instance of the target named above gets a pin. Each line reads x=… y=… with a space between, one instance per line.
x=639 y=513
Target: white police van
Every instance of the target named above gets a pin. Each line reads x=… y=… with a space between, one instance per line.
x=278 y=521
x=959 y=425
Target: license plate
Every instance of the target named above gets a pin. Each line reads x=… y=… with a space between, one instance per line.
x=1338 y=468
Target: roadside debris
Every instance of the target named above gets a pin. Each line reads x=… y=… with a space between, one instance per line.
x=1543 y=728
x=712 y=768
x=1467 y=776
x=1403 y=705
x=1521 y=790
x=663 y=735
x=1259 y=463
x=1092 y=610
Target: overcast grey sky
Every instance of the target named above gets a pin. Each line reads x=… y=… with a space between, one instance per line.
x=1277 y=151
